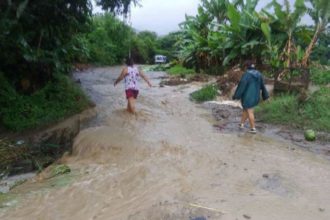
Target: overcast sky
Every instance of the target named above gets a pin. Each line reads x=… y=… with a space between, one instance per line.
x=163 y=16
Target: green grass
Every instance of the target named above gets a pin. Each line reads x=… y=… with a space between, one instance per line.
x=57 y=100
x=180 y=70
x=207 y=93
x=320 y=77
x=312 y=114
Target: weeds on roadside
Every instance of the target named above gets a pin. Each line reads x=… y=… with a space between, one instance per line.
x=320 y=76
x=313 y=113
x=180 y=70
x=207 y=93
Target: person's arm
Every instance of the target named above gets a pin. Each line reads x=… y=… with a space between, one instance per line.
x=264 y=91
x=240 y=88
x=121 y=76
x=145 y=78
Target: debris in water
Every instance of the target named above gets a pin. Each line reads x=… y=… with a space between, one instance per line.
x=207 y=208
x=198 y=218
x=266 y=176
x=247 y=217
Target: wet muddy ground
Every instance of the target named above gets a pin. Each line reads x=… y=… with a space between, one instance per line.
x=174 y=160
x=227 y=115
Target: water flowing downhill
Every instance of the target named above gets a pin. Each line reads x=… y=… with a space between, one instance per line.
x=169 y=163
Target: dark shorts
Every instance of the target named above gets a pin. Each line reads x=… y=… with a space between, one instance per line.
x=131 y=93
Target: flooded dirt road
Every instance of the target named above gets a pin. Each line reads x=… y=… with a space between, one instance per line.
x=169 y=163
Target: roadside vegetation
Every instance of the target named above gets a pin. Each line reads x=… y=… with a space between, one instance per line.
x=226 y=33
x=207 y=93
x=305 y=110
x=320 y=76
x=180 y=70
x=311 y=114
x=39 y=44
x=56 y=100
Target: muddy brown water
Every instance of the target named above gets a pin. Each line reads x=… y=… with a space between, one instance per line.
x=169 y=163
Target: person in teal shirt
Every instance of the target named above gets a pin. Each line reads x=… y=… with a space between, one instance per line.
x=248 y=91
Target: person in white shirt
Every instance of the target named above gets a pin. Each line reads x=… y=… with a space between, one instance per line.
x=131 y=74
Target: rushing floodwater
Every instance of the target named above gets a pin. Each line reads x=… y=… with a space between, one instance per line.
x=169 y=163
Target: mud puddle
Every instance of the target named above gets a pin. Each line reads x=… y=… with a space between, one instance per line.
x=226 y=115
x=169 y=163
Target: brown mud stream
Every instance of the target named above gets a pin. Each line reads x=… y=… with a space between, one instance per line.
x=169 y=163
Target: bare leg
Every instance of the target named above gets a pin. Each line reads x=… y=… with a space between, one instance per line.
x=251 y=117
x=244 y=116
x=128 y=107
x=131 y=105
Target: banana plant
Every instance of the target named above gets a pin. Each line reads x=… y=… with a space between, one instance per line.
x=320 y=13
x=194 y=44
x=247 y=34
x=287 y=22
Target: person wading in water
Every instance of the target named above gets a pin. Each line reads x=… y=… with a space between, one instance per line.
x=248 y=91
x=131 y=74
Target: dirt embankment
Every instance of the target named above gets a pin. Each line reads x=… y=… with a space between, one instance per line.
x=37 y=148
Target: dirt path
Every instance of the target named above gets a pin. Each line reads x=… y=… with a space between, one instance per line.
x=170 y=163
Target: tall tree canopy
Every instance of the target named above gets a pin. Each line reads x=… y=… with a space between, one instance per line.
x=118 y=6
x=38 y=38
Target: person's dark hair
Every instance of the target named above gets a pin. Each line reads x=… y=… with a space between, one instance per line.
x=250 y=64
x=129 y=61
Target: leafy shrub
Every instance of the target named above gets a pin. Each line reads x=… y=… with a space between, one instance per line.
x=207 y=93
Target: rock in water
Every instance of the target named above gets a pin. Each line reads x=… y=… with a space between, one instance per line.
x=310 y=135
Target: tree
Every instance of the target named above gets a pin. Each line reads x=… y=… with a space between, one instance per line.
x=116 y=6
x=108 y=40
x=144 y=46
x=320 y=13
x=167 y=44
x=37 y=36
x=194 y=45
x=288 y=21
